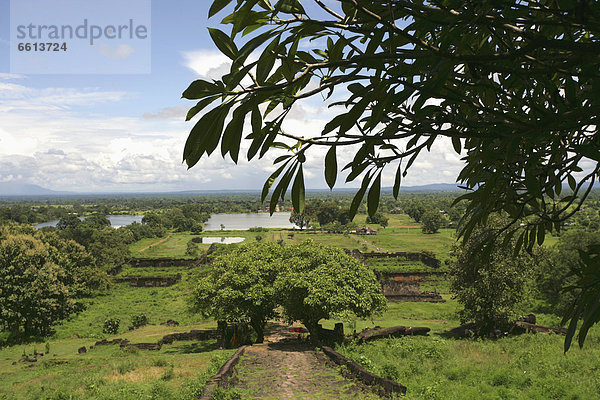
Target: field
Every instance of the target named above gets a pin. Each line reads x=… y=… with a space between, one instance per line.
x=434 y=367
x=176 y=371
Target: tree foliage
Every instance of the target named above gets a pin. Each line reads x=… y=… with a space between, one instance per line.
x=309 y=281
x=40 y=278
x=239 y=287
x=431 y=221
x=491 y=288
x=300 y=220
x=514 y=86
x=378 y=218
x=323 y=282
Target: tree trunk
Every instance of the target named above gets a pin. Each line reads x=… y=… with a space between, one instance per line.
x=259 y=327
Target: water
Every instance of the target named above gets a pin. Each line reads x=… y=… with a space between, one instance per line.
x=242 y=222
x=222 y=239
x=116 y=221
x=232 y=222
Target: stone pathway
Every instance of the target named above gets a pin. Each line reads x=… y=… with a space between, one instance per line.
x=285 y=368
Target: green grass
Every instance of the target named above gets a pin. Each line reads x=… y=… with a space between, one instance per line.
x=176 y=244
x=527 y=366
x=177 y=371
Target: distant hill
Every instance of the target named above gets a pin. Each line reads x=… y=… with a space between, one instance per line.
x=26 y=189
x=434 y=187
x=18 y=189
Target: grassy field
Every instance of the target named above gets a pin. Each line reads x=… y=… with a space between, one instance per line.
x=441 y=367
x=402 y=234
x=177 y=371
x=434 y=367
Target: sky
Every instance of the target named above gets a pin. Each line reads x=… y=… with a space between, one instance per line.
x=114 y=132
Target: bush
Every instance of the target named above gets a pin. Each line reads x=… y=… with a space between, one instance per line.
x=258 y=229
x=197 y=240
x=111 y=326
x=139 y=320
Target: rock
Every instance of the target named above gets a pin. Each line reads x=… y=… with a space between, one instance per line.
x=522 y=327
x=144 y=346
x=394 y=331
x=530 y=319
x=82 y=350
x=464 y=330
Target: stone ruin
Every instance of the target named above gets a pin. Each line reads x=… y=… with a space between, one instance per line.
x=405 y=287
x=151 y=281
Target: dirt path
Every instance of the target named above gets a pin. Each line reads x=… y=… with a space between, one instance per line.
x=285 y=368
x=156 y=243
x=379 y=249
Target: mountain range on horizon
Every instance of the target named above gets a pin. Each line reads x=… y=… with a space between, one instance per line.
x=20 y=189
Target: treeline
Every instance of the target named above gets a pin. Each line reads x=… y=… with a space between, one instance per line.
x=42 y=276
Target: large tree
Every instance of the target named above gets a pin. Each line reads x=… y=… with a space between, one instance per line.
x=41 y=275
x=239 y=287
x=320 y=282
x=514 y=85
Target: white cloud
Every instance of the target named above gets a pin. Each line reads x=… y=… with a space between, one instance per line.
x=207 y=63
x=6 y=76
x=168 y=113
x=46 y=141
x=120 y=52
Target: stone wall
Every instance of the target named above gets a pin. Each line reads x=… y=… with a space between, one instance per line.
x=151 y=281
x=163 y=262
x=425 y=257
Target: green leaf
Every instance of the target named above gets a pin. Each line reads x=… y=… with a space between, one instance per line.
x=519 y=243
x=373 y=197
x=205 y=135
x=571 y=181
x=232 y=137
x=269 y=182
x=217 y=6
x=199 y=89
x=298 y=192
x=397 y=181
x=331 y=167
x=224 y=43
x=456 y=144
x=359 y=196
x=201 y=105
x=541 y=234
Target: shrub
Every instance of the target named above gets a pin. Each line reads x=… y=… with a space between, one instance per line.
x=139 y=320
x=111 y=326
x=258 y=229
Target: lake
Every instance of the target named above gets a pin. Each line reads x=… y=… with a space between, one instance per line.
x=116 y=221
x=241 y=222
x=222 y=239
x=232 y=222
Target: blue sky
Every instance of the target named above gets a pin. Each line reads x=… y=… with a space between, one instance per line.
x=126 y=132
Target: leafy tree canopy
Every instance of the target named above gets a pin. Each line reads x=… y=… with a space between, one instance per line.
x=431 y=221
x=323 y=282
x=240 y=287
x=40 y=277
x=515 y=87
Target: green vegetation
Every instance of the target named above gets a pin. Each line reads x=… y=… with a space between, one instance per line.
x=319 y=282
x=240 y=286
x=491 y=284
x=527 y=366
x=180 y=369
